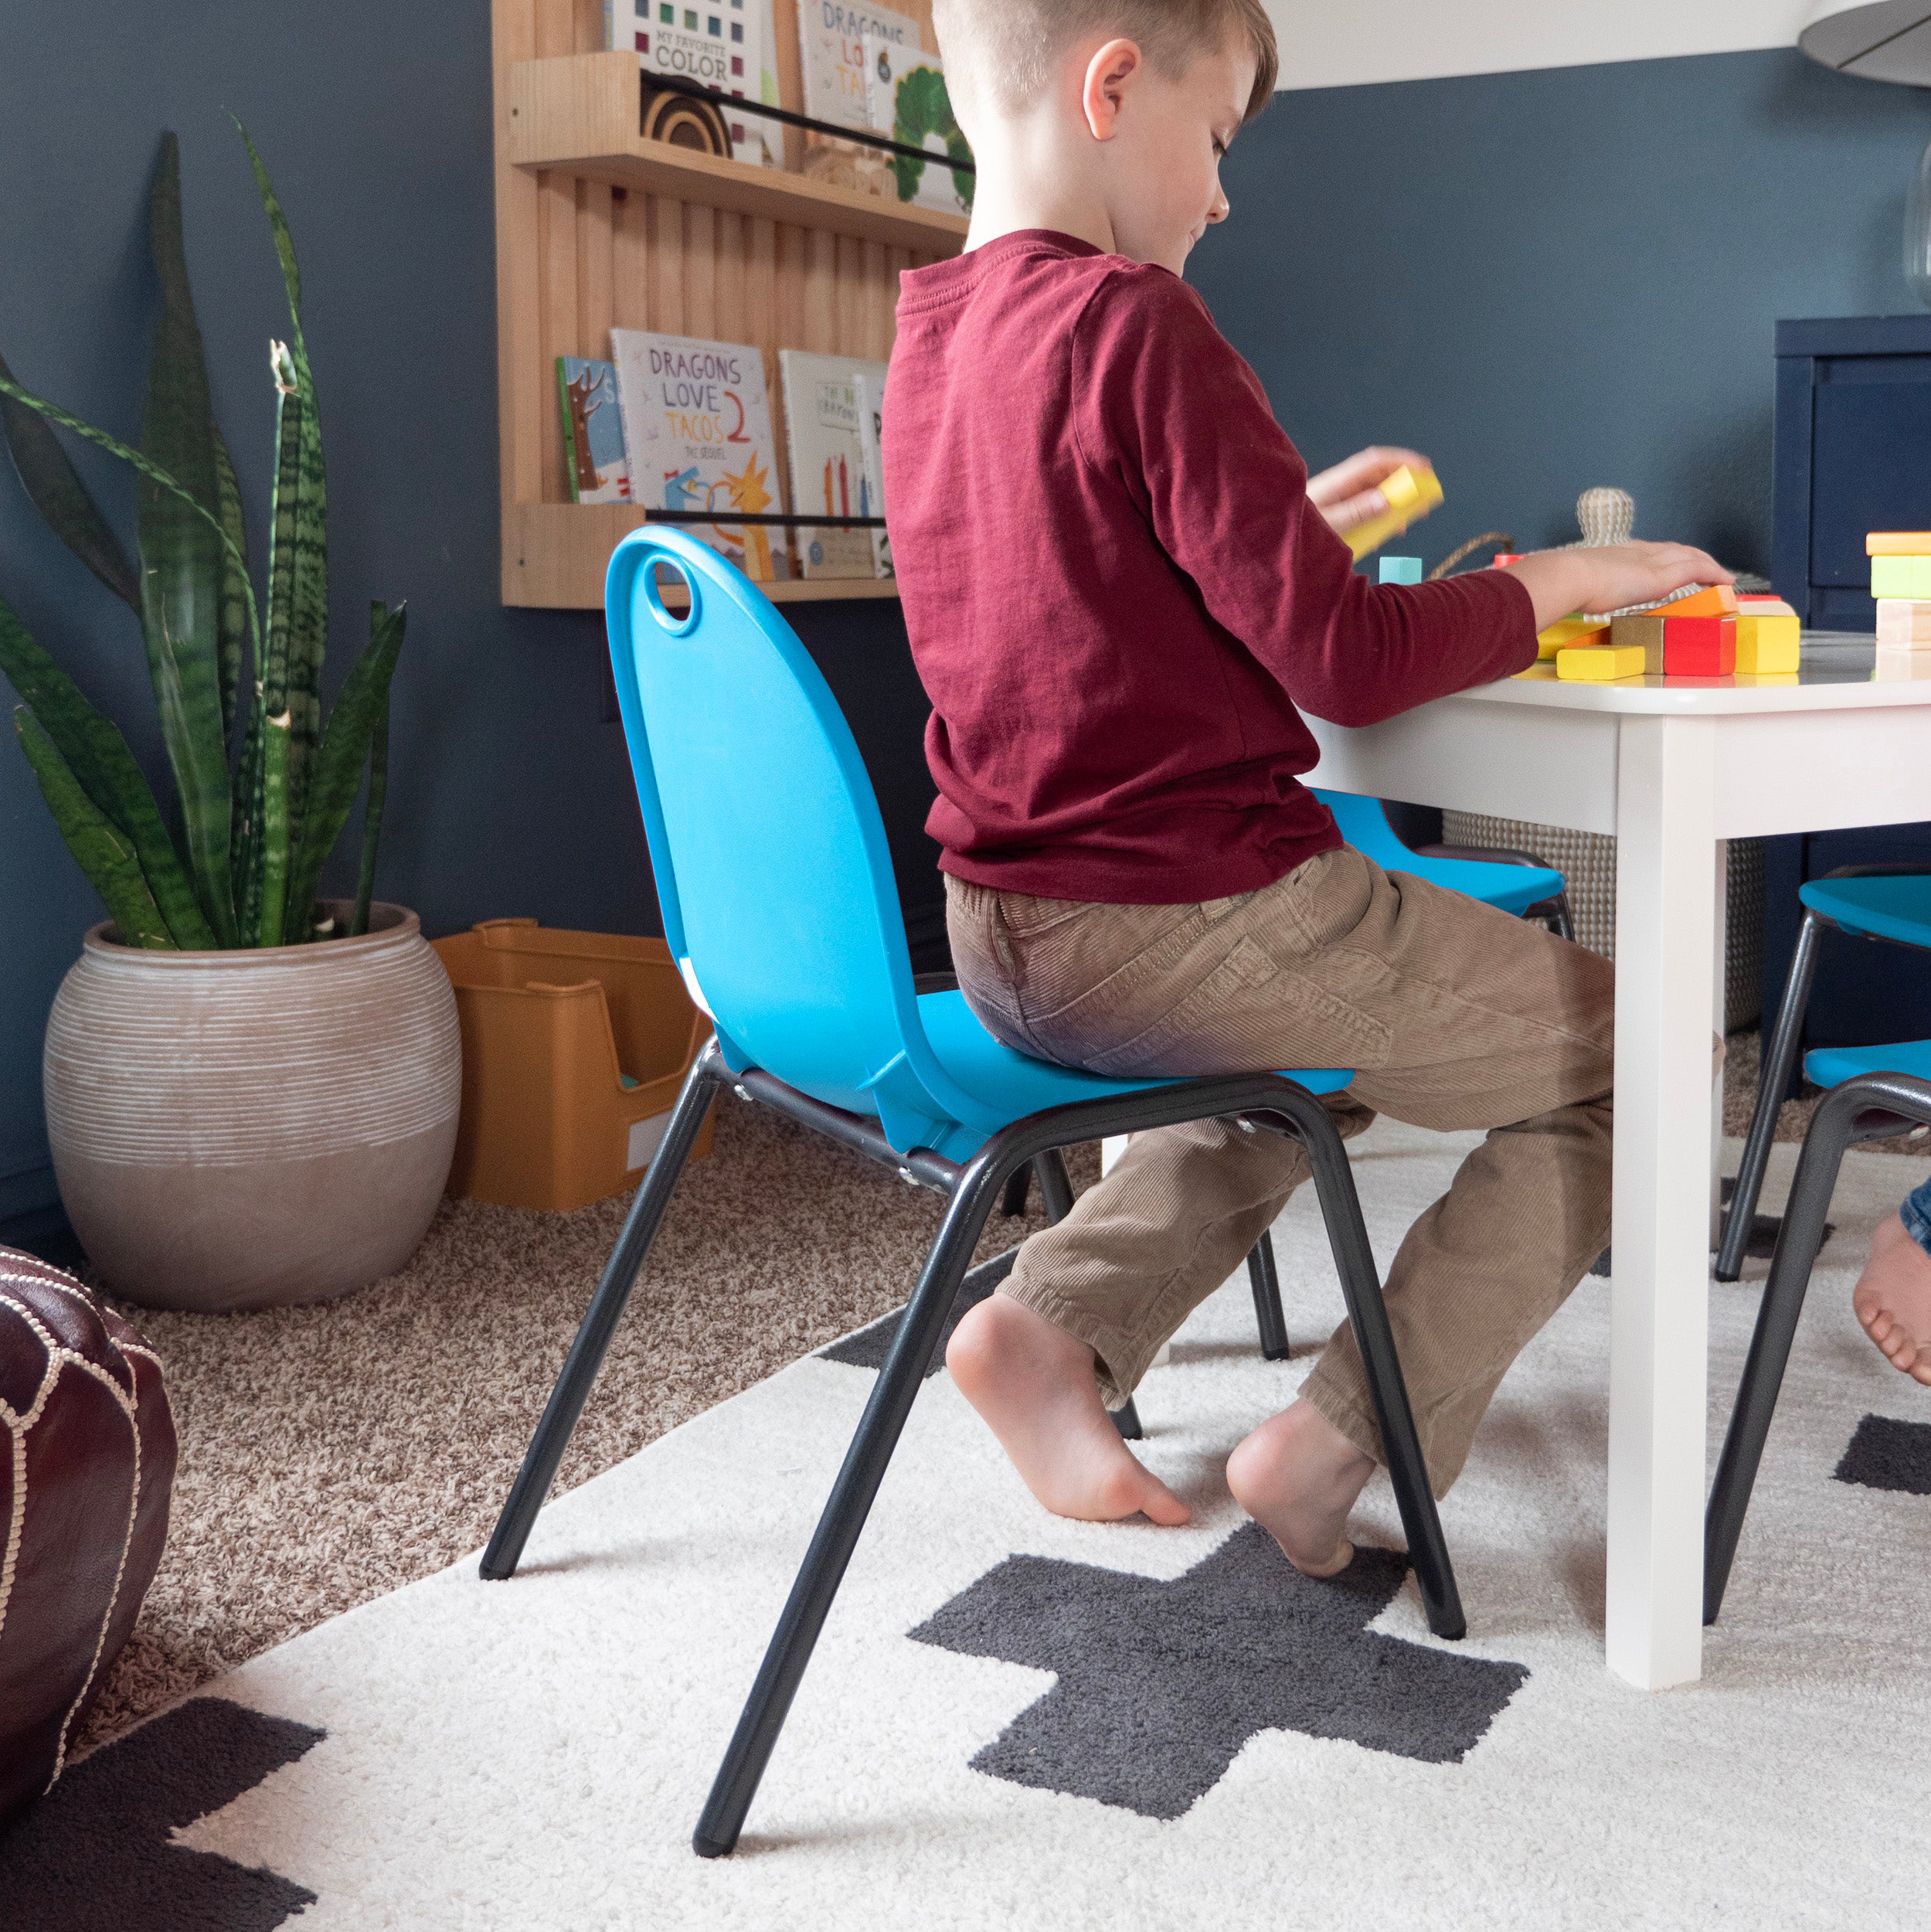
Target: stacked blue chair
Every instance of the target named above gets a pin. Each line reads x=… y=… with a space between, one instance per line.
x=1875 y=1093
x=1891 y=904
x=778 y=900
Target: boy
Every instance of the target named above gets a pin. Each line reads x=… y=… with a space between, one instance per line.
x=1120 y=581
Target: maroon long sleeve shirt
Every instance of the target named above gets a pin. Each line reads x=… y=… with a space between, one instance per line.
x=1116 y=590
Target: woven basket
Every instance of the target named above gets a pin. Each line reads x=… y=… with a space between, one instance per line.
x=1587 y=860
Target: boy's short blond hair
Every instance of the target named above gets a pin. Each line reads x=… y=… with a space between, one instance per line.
x=1009 y=46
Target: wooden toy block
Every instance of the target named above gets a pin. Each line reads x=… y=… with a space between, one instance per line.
x=1642 y=632
x=1600 y=663
x=1699 y=647
x=1767 y=605
x=1898 y=543
x=1767 y=640
x=1411 y=494
x=1893 y=666
x=1719 y=601
x=1903 y=625
x=1901 y=576
x=1504 y=558
x=1542 y=671
x=1401 y=569
x=1566 y=632
x=1750 y=680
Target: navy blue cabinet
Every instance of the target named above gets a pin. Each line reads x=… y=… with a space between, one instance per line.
x=1853 y=455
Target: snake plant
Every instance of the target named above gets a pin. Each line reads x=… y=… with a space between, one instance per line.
x=263 y=787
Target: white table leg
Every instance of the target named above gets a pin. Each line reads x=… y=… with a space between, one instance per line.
x=1720 y=1006
x=1665 y=941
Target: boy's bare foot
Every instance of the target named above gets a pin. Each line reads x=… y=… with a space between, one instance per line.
x=1892 y=1299
x=1034 y=1384
x=1298 y=1476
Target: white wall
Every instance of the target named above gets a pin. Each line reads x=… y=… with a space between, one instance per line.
x=1339 y=43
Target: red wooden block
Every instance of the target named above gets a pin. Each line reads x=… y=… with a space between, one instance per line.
x=1699 y=647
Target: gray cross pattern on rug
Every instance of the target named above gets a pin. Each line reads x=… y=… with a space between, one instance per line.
x=1162 y=1683
x=98 y=1850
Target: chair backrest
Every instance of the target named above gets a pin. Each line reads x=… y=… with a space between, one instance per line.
x=1364 y=825
x=772 y=874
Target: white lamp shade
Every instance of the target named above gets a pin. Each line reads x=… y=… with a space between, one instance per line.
x=1875 y=39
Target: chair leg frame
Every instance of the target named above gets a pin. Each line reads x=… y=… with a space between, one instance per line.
x=1773 y=1081
x=1859 y=1109
x=974 y=1190
x=1264 y=1278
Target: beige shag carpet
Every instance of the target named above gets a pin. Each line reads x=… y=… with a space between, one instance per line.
x=330 y=1454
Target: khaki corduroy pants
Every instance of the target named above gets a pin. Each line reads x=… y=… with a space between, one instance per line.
x=1454 y=1016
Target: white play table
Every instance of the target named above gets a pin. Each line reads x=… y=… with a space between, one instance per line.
x=1672 y=770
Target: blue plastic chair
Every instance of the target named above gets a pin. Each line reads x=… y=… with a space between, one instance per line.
x=1888 y=904
x=778 y=903
x=1512 y=882
x=1876 y=1092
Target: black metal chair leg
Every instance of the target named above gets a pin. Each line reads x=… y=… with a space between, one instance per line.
x=1126 y=1419
x=586 y=1354
x=1854 y=1111
x=1265 y=1280
x=1561 y=918
x=1773 y=1081
x=1360 y=1288
x=850 y=1502
x=1055 y=1185
x=1012 y=1203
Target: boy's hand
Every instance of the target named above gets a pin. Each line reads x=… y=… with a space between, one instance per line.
x=1611 y=577
x=1350 y=493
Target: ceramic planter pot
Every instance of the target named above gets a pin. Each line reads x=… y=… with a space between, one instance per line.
x=252 y=1129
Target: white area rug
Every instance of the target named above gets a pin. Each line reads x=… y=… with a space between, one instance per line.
x=533 y=1755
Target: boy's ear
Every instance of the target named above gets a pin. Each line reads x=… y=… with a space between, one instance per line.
x=1111 y=76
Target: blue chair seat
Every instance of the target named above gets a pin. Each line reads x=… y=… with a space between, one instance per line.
x=1832 y=1066
x=1015 y=1085
x=1509 y=889
x=1896 y=907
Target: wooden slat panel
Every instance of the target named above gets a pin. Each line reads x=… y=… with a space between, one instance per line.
x=630 y=260
x=595 y=268
x=519 y=345
x=821 y=291
x=849 y=320
x=556 y=28
x=700 y=272
x=667 y=266
x=877 y=343
x=736 y=324
x=588 y=36
x=557 y=241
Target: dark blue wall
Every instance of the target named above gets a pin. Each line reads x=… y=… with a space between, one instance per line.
x=1552 y=280
x=508 y=794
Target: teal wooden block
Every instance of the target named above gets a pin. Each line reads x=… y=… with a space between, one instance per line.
x=1901 y=576
x=1408 y=569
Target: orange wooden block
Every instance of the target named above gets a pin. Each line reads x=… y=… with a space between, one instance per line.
x=1898 y=543
x=1718 y=601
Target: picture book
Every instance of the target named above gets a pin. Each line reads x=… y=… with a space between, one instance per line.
x=906 y=90
x=871 y=438
x=821 y=421
x=697 y=421
x=593 y=455
x=831 y=43
x=719 y=43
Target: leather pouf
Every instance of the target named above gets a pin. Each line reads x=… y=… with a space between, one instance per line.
x=86 y=1466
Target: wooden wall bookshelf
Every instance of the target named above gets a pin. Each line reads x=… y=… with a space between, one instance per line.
x=597 y=227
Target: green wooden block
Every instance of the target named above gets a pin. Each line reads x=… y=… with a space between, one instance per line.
x=1901 y=576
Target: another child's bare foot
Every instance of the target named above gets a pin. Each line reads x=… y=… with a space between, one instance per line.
x=1298 y=1476
x=1892 y=1299
x=1035 y=1385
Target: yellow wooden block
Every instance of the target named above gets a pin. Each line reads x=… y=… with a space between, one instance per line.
x=1752 y=679
x=1411 y=494
x=1600 y=663
x=1766 y=642
x=1546 y=672
x=1717 y=601
x=1898 y=543
x=1643 y=632
x=1565 y=632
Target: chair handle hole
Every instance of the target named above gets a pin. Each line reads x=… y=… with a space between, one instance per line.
x=671 y=592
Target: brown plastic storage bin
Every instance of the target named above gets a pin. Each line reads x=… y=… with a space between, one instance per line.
x=574 y=1046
